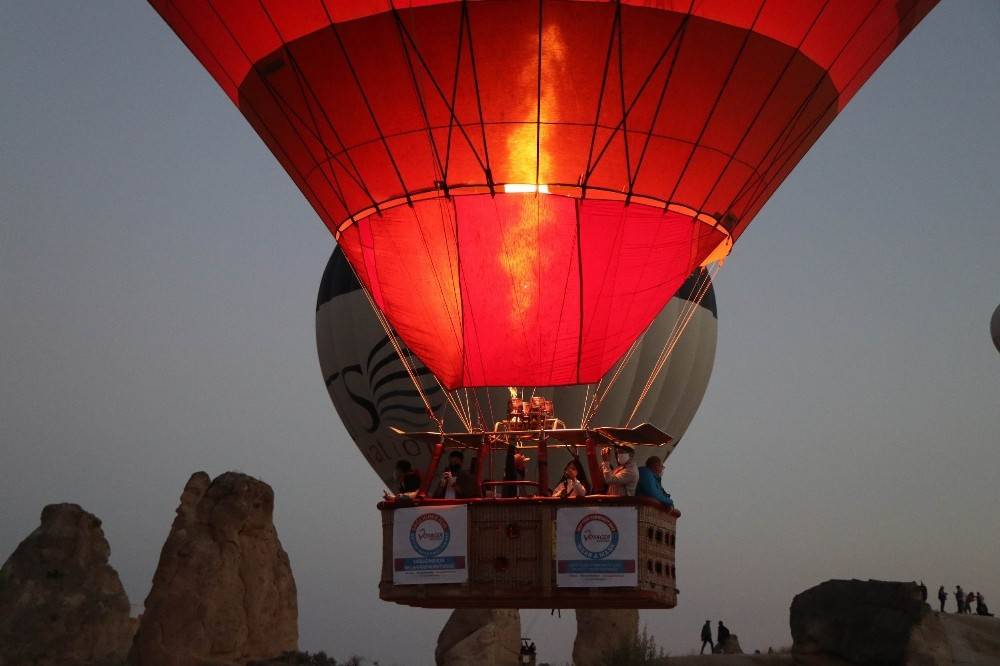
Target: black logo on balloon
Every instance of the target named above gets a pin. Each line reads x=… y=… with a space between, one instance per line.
x=382 y=388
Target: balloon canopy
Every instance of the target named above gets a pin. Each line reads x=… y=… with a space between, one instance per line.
x=522 y=185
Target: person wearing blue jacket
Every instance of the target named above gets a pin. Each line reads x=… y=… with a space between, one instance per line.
x=650 y=484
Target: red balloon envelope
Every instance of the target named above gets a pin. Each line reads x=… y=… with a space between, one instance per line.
x=523 y=184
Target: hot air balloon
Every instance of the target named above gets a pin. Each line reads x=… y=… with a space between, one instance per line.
x=521 y=186
x=372 y=392
x=995 y=328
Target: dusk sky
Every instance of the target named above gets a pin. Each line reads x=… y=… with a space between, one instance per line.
x=158 y=277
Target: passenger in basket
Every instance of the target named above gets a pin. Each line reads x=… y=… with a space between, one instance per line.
x=407 y=478
x=515 y=469
x=455 y=482
x=623 y=477
x=651 y=483
x=570 y=485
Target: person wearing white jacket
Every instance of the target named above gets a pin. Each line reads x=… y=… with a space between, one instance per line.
x=623 y=477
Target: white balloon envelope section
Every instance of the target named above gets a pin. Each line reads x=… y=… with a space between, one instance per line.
x=373 y=393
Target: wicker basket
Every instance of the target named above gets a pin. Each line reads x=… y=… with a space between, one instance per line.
x=511 y=559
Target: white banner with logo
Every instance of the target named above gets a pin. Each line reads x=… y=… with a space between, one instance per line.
x=430 y=545
x=597 y=546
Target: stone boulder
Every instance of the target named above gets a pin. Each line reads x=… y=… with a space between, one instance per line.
x=599 y=631
x=61 y=602
x=731 y=645
x=861 y=622
x=485 y=637
x=223 y=591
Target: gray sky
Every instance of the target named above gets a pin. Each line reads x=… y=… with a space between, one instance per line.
x=158 y=273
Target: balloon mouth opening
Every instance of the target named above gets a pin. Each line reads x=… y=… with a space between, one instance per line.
x=444 y=192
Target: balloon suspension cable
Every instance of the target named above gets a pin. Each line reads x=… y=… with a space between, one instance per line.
x=702 y=285
x=407 y=363
x=455 y=400
x=600 y=395
x=480 y=416
x=404 y=359
x=585 y=419
x=467 y=406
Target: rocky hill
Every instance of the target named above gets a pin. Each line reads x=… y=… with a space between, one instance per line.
x=61 y=602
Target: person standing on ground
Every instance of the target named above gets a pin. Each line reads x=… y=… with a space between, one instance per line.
x=959 y=599
x=721 y=636
x=942 y=597
x=969 y=598
x=981 y=608
x=923 y=592
x=706 y=637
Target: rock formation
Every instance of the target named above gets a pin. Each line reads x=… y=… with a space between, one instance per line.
x=61 y=603
x=858 y=621
x=731 y=645
x=480 y=636
x=223 y=591
x=599 y=631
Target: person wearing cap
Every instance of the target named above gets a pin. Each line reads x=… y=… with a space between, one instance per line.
x=651 y=484
x=623 y=477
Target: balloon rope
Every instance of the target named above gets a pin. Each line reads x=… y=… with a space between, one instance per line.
x=403 y=358
x=599 y=399
x=479 y=410
x=676 y=328
x=456 y=407
x=391 y=334
x=680 y=326
x=489 y=404
x=467 y=405
x=587 y=408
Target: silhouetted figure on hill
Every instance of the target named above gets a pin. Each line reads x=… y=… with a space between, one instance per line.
x=721 y=636
x=981 y=608
x=923 y=592
x=960 y=599
x=969 y=598
x=942 y=597
x=706 y=637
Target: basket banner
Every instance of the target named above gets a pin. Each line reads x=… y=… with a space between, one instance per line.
x=430 y=545
x=596 y=546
